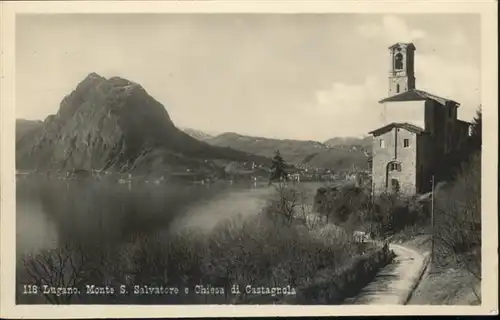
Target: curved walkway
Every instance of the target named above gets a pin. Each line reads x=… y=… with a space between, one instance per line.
x=394 y=283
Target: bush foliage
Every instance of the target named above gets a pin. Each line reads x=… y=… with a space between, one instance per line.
x=271 y=249
x=354 y=208
x=457 y=215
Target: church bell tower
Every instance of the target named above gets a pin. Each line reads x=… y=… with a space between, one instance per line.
x=402 y=68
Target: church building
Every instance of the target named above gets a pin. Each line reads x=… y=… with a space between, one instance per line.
x=419 y=128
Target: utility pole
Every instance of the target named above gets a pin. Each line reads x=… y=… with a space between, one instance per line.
x=432 y=220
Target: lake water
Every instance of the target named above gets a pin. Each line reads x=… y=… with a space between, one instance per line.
x=52 y=212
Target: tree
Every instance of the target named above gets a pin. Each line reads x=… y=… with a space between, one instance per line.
x=451 y=164
x=65 y=267
x=476 y=128
x=278 y=168
x=287 y=202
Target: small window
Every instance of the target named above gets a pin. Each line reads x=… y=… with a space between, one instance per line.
x=406 y=143
x=382 y=143
x=394 y=166
x=397 y=88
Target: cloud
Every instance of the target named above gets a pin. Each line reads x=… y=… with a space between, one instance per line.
x=350 y=109
x=393 y=29
x=306 y=70
x=439 y=70
x=353 y=109
x=452 y=79
x=457 y=39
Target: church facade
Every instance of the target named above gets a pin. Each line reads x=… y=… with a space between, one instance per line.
x=419 y=128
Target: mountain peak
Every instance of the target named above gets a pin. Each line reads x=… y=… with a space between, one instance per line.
x=121 y=82
x=94 y=75
x=92 y=78
x=114 y=124
x=90 y=81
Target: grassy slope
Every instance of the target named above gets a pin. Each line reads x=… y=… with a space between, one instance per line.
x=442 y=286
x=365 y=142
x=439 y=285
x=339 y=159
x=445 y=287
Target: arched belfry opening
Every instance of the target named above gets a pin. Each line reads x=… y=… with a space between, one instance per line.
x=398 y=61
x=401 y=68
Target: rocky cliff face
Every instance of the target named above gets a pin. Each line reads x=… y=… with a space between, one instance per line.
x=24 y=127
x=113 y=124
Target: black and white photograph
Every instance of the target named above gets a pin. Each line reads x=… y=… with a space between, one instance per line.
x=210 y=158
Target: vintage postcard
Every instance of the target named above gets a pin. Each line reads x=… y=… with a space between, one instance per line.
x=227 y=158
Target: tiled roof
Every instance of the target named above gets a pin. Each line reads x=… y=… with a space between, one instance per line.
x=405 y=125
x=409 y=45
x=414 y=94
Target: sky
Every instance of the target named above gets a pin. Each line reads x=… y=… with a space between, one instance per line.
x=288 y=76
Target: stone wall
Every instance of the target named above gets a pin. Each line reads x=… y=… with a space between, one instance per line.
x=334 y=287
x=394 y=151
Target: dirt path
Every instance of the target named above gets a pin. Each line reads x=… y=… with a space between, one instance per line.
x=393 y=283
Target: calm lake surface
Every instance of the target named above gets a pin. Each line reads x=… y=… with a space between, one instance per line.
x=51 y=212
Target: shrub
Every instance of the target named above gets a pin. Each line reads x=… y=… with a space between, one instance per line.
x=339 y=203
x=458 y=218
x=263 y=250
x=353 y=208
x=65 y=267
